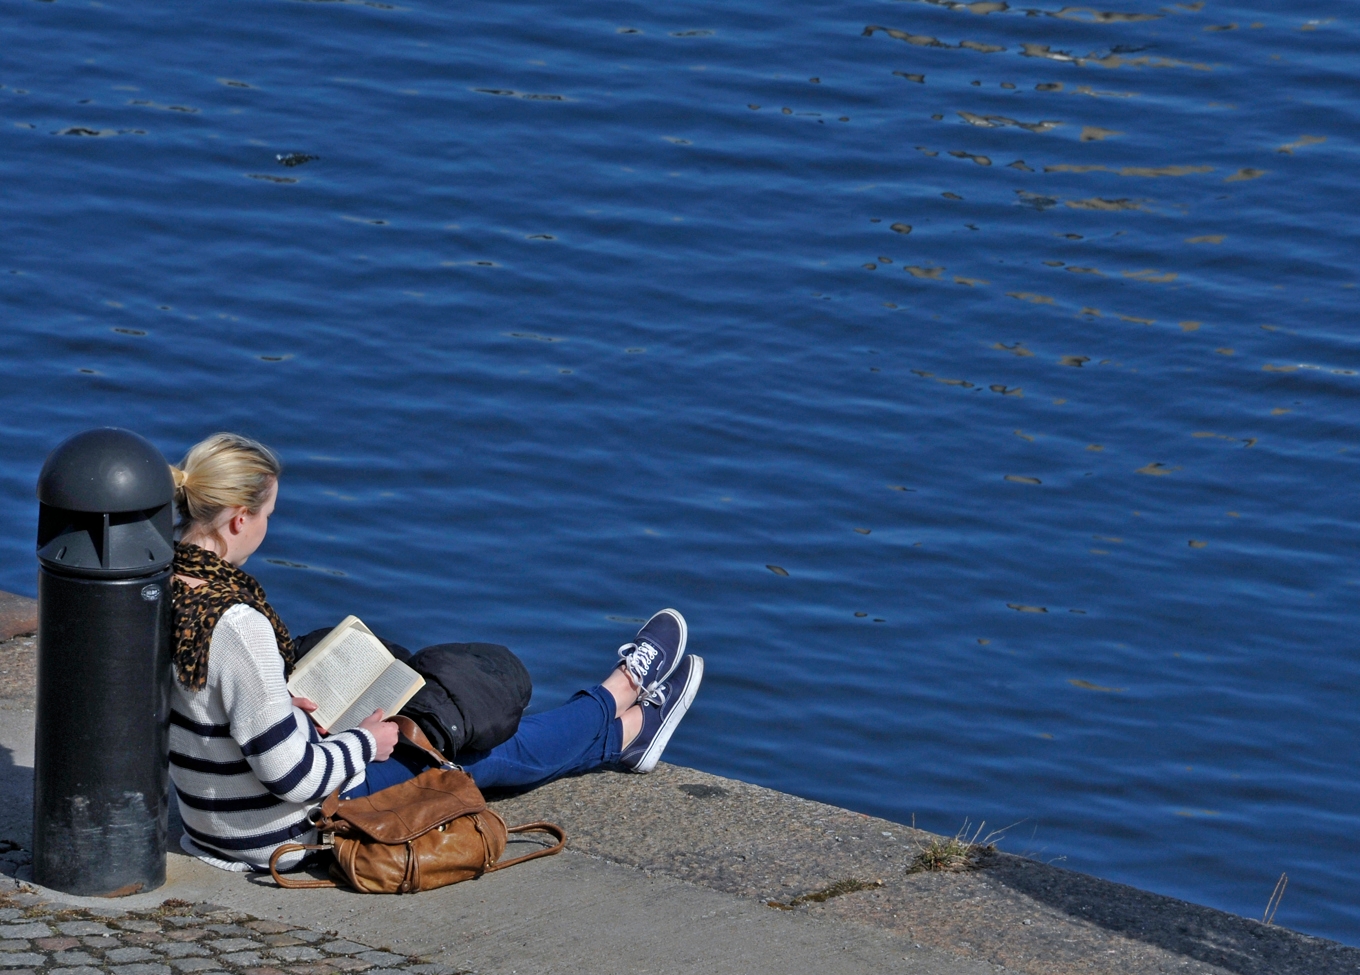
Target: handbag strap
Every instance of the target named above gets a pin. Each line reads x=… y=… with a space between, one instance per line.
x=551 y=828
x=412 y=733
x=293 y=848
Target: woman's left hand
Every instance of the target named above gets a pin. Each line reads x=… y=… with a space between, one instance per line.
x=308 y=705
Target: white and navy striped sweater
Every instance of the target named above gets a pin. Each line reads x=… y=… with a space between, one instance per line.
x=247 y=764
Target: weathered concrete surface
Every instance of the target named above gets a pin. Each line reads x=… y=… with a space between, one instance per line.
x=1019 y=913
x=673 y=872
x=18 y=615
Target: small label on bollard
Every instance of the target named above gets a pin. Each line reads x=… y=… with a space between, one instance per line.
x=151 y=593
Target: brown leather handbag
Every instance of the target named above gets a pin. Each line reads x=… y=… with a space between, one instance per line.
x=428 y=832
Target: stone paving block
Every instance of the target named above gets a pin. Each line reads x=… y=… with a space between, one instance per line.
x=229 y=929
x=194 y=964
x=242 y=958
x=431 y=968
x=388 y=971
x=343 y=948
x=101 y=941
x=311 y=937
x=281 y=940
x=141 y=937
x=265 y=970
x=14 y=944
x=83 y=970
x=74 y=958
x=182 y=949
x=185 y=934
x=343 y=964
x=120 y=956
x=16 y=959
x=59 y=943
x=233 y=944
x=83 y=927
x=143 y=969
x=298 y=953
x=31 y=930
x=381 y=958
x=313 y=968
x=133 y=924
x=268 y=927
x=9 y=913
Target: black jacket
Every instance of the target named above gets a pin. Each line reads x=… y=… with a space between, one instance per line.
x=473 y=697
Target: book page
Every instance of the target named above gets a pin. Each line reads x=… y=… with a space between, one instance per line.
x=318 y=653
x=393 y=688
x=339 y=670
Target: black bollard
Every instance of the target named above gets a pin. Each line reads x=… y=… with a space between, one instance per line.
x=105 y=543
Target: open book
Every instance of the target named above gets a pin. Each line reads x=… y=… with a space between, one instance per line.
x=349 y=675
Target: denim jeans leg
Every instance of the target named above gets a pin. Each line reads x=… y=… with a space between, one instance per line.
x=581 y=735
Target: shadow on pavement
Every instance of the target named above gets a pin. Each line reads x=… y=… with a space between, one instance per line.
x=16 y=813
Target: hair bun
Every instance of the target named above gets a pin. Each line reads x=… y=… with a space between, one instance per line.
x=179 y=476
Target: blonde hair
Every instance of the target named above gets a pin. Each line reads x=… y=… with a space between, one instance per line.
x=224 y=471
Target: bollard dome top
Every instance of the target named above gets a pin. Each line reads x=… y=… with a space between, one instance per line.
x=106 y=470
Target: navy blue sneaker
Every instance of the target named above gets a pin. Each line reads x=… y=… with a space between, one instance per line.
x=661 y=714
x=655 y=652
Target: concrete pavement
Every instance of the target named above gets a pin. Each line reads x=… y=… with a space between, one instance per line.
x=681 y=871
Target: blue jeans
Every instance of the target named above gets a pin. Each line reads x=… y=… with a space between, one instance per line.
x=581 y=735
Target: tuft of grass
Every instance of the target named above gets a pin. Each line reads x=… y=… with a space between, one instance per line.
x=959 y=852
x=1276 y=896
x=848 y=886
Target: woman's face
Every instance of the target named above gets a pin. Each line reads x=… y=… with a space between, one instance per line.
x=246 y=529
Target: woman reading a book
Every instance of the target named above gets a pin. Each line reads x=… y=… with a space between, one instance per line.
x=247 y=762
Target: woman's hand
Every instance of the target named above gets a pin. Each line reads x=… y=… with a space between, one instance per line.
x=385 y=732
x=306 y=704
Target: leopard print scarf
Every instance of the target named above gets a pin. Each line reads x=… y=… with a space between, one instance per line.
x=198 y=609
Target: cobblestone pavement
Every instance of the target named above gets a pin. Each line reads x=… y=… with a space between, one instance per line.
x=179 y=938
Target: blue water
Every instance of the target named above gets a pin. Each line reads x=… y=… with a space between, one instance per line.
x=587 y=309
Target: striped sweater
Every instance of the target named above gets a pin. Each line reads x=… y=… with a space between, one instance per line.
x=246 y=764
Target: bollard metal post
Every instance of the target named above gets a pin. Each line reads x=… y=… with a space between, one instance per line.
x=100 y=778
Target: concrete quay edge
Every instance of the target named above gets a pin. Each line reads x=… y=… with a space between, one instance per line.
x=675 y=871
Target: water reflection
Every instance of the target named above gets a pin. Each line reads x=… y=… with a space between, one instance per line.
x=1301 y=142
x=920 y=40
x=997 y=121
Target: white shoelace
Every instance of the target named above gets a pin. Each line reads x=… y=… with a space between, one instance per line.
x=654 y=695
x=637 y=658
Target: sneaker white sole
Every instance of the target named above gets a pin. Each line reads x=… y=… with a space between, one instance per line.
x=663 y=736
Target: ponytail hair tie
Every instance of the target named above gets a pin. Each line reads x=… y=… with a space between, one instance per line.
x=179 y=476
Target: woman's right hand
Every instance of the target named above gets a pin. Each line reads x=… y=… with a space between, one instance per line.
x=384 y=732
